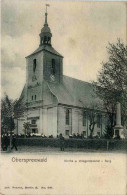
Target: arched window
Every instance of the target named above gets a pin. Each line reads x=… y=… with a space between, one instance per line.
x=34 y=65
x=53 y=67
x=35 y=97
x=84 y=118
x=49 y=39
x=67 y=117
x=32 y=97
x=45 y=39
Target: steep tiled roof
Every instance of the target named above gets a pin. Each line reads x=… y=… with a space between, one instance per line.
x=73 y=92
x=46 y=48
x=76 y=93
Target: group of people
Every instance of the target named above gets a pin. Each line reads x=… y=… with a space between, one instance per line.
x=6 y=142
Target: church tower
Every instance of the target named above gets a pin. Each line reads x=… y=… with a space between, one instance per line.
x=44 y=64
x=55 y=103
x=45 y=35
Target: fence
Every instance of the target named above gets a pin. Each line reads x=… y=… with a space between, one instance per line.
x=95 y=144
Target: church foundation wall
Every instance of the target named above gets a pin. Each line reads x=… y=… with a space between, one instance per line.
x=44 y=121
x=61 y=120
x=34 y=115
x=40 y=121
x=62 y=126
x=49 y=121
x=76 y=123
x=52 y=121
x=81 y=127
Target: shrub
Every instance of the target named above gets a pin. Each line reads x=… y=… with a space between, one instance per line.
x=94 y=144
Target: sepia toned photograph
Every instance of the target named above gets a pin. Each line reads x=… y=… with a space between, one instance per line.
x=64 y=94
x=63 y=75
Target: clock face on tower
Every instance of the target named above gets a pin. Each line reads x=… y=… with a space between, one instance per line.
x=52 y=77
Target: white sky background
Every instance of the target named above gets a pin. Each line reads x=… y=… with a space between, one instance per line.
x=81 y=31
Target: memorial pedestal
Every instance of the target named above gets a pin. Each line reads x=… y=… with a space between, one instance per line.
x=119 y=132
x=118 y=129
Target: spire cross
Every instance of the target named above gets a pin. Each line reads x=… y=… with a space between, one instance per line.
x=47 y=5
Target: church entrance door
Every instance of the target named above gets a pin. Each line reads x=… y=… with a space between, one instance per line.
x=34 y=130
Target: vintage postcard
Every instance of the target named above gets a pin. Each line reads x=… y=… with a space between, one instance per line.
x=63 y=97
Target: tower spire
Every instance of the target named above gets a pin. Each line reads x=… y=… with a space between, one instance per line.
x=47 y=5
x=45 y=35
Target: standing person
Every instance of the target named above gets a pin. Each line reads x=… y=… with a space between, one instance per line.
x=14 y=145
x=5 y=142
x=61 y=142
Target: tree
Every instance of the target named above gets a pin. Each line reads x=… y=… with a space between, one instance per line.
x=111 y=83
x=10 y=109
x=7 y=114
x=92 y=108
x=19 y=108
x=26 y=129
x=92 y=120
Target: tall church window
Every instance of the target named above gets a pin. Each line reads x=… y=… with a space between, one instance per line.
x=67 y=132
x=53 y=67
x=98 y=121
x=34 y=65
x=84 y=118
x=35 y=97
x=67 y=117
x=32 y=97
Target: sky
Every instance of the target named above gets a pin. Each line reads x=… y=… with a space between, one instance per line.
x=81 y=31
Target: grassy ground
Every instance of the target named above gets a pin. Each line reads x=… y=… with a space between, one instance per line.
x=54 y=150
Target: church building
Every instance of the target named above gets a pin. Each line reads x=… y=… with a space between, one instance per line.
x=56 y=103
